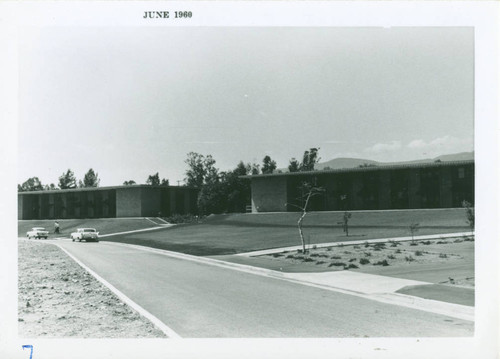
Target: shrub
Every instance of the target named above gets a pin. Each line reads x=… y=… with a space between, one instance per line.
x=276 y=255
x=335 y=257
x=308 y=259
x=367 y=244
x=329 y=249
x=347 y=252
x=419 y=253
x=182 y=218
x=337 y=264
x=443 y=255
x=398 y=250
x=314 y=254
x=469 y=213
x=381 y=263
x=352 y=260
x=390 y=256
x=458 y=240
x=409 y=258
x=290 y=256
x=426 y=242
x=320 y=262
x=357 y=247
x=354 y=266
x=364 y=261
x=413 y=243
x=368 y=254
x=441 y=242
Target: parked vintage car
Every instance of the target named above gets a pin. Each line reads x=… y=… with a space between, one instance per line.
x=37 y=233
x=86 y=234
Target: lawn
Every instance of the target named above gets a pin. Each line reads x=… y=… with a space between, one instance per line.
x=237 y=233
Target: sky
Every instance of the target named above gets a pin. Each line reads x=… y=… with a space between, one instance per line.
x=129 y=101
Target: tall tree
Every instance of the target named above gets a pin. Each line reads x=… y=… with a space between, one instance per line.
x=31 y=184
x=195 y=175
x=67 y=180
x=310 y=159
x=129 y=183
x=165 y=182
x=50 y=187
x=268 y=165
x=90 y=179
x=294 y=165
x=201 y=170
x=153 y=180
x=211 y=172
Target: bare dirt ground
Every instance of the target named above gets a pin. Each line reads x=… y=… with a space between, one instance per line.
x=58 y=298
x=377 y=258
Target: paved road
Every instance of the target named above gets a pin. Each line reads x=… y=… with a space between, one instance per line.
x=199 y=300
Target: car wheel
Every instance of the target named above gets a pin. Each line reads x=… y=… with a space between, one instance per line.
x=72 y=239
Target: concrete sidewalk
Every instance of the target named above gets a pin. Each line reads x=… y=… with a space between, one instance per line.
x=356 y=281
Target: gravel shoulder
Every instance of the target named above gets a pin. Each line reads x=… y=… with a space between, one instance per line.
x=58 y=298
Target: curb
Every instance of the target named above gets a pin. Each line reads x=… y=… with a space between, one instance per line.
x=427 y=305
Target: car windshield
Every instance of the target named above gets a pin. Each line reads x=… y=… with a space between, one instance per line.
x=39 y=229
x=89 y=230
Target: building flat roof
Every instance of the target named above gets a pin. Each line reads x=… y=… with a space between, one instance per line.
x=86 y=189
x=364 y=169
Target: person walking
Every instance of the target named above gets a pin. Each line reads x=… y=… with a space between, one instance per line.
x=56 y=227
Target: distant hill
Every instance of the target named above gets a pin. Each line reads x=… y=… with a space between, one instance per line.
x=339 y=163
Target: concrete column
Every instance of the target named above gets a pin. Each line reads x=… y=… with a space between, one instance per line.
x=39 y=200
x=51 y=206
x=445 y=187
x=415 y=198
x=20 y=207
x=64 y=209
x=384 y=190
x=173 y=193
x=355 y=200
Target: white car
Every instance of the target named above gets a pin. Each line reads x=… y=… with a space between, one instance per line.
x=86 y=234
x=37 y=233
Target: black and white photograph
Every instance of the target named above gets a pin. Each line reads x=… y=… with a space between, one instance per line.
x=252 y=183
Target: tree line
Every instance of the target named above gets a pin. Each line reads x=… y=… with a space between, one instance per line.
x=225 y=191
x=66 y=181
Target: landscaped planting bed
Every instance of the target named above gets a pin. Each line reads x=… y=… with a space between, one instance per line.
x=368 y=256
